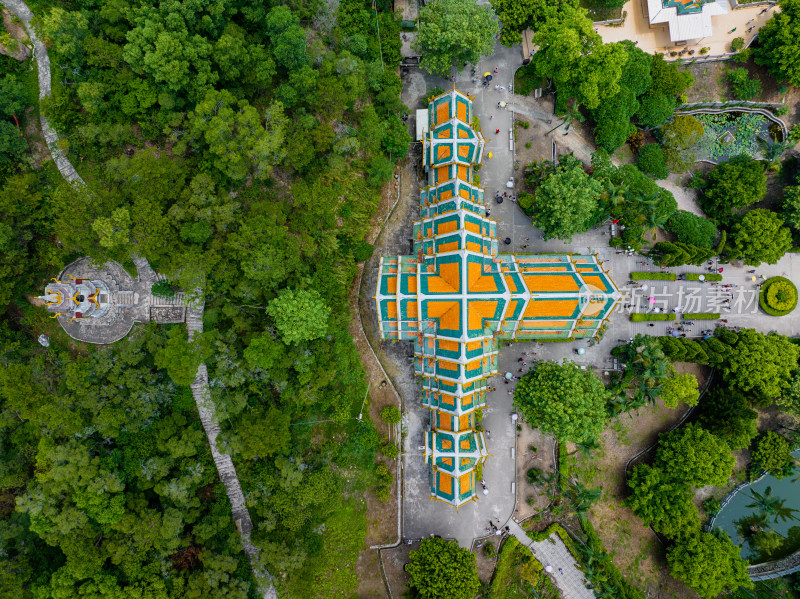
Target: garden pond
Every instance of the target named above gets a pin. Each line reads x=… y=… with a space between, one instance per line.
x=730 y=134
x=787 y=489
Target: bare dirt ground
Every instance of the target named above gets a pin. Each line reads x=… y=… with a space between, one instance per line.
x=710 y=86
x=393 y=562
x=381 y=517
x=486 y=565
x=636 y=550
x=542 y=459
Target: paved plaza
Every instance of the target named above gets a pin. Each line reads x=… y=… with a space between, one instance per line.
x=656 y=39
x=421 y=515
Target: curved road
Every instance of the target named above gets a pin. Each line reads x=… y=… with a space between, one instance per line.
x=194 y=324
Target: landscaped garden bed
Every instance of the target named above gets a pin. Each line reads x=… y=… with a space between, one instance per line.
x=693 y=276
x=701 y=315
x=641 y=317
x=778 y=296
x=653 y=276
x=730 y=134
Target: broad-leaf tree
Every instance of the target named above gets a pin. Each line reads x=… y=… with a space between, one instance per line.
x=454 y=32
x=662 y=502
x=772 y=452
x=299 y=314
x=759 y=236
x=732 y=185
x=680 y=389
x=566 y=203
x=563 y=400
x=707 y=563
x=575 y=57
x=441 y=569
x=779 y=43
x=694 y=455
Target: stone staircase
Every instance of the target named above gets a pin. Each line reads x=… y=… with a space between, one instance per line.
x=178 y=300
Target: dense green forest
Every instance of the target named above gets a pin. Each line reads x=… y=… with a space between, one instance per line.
x=240 y=146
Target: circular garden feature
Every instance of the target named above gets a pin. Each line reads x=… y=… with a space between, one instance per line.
x=778 y=296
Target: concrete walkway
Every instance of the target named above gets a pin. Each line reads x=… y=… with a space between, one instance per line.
x=567 y=576
x=21 y=10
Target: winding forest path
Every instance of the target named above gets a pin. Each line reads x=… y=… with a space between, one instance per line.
x=223 y=462
x=21 y=10
x=194 y=324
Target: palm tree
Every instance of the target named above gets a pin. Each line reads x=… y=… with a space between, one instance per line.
x=571 y=115
x=772 y=506
x=772 y=151
x=586 y=447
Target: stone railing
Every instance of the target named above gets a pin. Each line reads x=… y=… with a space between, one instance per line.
x=734 y=107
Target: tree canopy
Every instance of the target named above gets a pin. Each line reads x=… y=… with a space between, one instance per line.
x=694 y=455
x=563 y=400
x=779 y=43
x=662 y=502
x=566 y=202
x=731 y=185
x=574 y=56
x=692 y=229
x=441 y=569
x=519 y=15
x=759 y=236
x=454 y=32
x=680 y=138
x=708 y=563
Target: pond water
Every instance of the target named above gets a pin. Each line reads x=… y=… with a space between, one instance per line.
x=786 y=488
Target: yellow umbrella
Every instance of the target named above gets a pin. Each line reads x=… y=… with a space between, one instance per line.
x=490 y=154
x=752 y=278
x=486 y=74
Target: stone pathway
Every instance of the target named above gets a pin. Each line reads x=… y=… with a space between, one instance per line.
x=223 y=462
x=552 y=552
x=21 y=10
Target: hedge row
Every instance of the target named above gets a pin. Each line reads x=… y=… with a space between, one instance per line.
x=639 y=275
x=701 y=315
x=693 y=276
x=762 y=296
x=641 y=317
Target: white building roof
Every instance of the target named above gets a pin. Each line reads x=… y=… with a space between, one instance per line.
x=422 y=123
x=687 y=26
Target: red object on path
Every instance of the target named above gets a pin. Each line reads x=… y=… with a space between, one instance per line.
x=497 y=130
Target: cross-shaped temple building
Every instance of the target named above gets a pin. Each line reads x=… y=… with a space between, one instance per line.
x=457 y=298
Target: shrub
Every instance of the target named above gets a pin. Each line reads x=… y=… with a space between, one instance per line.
x=362 y=251
x=163 y=288
x=651 y=161
x=533 y=475
x=527 y=144
x=391 y=415
x=390 y=450
x=704 y=50
x=701 y=315
x=778 y=296
x=693 y=276
x=653 y=276
x=489 y=550
x=641 y=317
x=743 y=85
x=737 y=44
